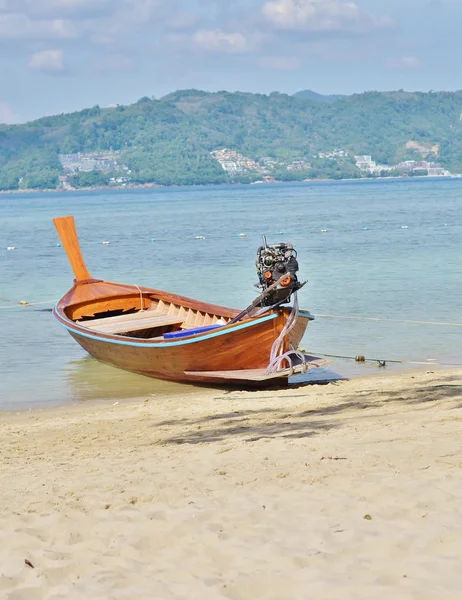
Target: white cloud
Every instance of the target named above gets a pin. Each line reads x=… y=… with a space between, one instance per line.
x=48 y=61
x=216 y=40
x=279 y=63
x=66 y=6
x=320 y=16
x=101 y=20
x=73 y=4
x=20 y=26
x=127 y=17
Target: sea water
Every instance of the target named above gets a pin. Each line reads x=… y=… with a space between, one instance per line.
x=388 y=250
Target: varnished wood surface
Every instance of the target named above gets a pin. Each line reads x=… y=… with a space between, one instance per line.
x=251 y=374
x=68 y=235
x=142 y=314
x=240 y=349
x=148 y=320
x=90 y=298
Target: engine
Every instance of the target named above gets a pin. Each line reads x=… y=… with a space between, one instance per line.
x=277 y=268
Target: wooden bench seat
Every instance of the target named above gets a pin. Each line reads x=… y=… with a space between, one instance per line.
x=132 y=322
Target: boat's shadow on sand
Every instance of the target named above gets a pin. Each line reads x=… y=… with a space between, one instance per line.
x=292 y=415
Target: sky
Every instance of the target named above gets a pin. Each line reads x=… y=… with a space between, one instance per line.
x=65 y=55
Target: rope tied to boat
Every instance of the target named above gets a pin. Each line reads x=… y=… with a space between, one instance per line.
x=141 y=298
x=277 y=356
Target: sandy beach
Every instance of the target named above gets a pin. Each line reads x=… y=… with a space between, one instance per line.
x=349 y=490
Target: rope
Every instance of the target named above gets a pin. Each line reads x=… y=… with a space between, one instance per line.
x=141 y=298
x=390 y=320
x=402 y=362
x=356 y=358
x=276 y=357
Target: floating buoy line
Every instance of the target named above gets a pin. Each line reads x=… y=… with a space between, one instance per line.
x=16 y=303
x=241 y=235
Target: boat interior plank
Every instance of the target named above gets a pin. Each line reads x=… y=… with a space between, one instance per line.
x=137 y=322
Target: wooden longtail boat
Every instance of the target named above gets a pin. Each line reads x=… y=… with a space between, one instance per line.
x=167 y=336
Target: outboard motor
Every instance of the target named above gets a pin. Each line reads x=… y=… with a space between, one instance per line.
x=277 y=268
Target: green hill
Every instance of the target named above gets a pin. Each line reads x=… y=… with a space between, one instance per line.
x=169 y=141
x=310 y=95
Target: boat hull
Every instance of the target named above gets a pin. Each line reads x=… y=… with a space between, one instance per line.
x=245 y=346
x=172 y=337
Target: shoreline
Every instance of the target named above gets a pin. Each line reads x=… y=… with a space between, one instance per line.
x=161 y=391
x=142 y=186
x=195 y=392
x=349 y=489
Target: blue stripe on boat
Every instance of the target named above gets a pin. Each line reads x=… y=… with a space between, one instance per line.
x=186 y=332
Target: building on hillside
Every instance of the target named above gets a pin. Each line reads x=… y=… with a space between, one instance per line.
x=333 y=154
x=365 y=163
x=438 y=172
x=298 y=164
x=268 y=161
x=92 y=161
x=232 y=161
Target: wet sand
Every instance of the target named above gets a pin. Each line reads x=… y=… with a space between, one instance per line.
x=346 y=490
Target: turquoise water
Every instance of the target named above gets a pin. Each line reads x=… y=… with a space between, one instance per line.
x=392 y=249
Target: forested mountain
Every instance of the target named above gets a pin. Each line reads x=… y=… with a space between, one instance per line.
x=170 y=141
x=310 y=95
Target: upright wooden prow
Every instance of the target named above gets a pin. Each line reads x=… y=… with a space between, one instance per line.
x=70 y=241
